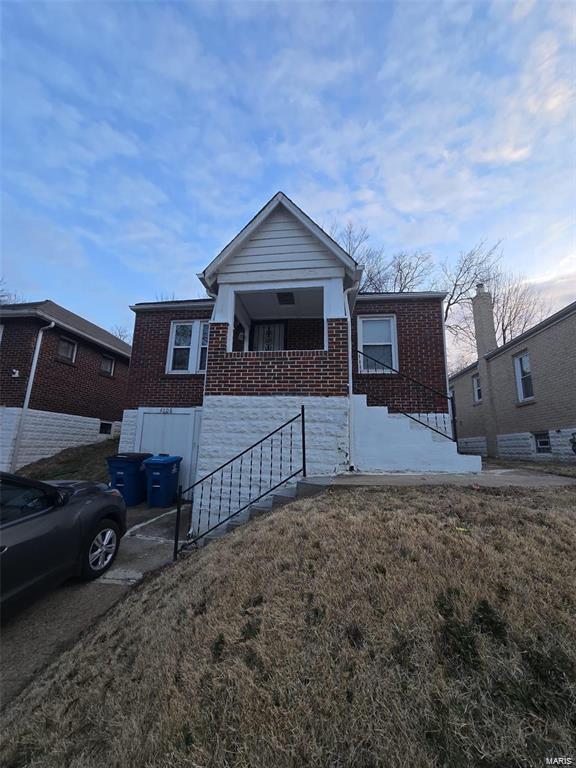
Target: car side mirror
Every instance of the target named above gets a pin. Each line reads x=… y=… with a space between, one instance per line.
x=61 y=498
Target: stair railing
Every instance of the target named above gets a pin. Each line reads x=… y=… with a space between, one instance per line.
x=221 y=495
x=443 y=423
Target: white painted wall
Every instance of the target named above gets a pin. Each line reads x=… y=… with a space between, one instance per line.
x=45 y=434
x=383 y=442
x=474 y=445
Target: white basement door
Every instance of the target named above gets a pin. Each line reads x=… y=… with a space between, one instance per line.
x=174 y=431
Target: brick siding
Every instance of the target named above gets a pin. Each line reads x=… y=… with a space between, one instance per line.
x=16 y=352
x=420 y=355
x=305 y=333
x=290 y=372
x=79 y=389
x=148 y=382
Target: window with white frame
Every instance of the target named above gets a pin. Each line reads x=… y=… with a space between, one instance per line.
x=476 y=388
x=66 y=350
x=107 y=365
x=188 y=347
x=523 y=376
x=377 y=341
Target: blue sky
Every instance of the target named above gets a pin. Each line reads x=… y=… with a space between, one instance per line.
x=138 y=138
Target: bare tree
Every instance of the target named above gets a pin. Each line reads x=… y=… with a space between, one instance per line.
x=517 y=307
x=165 y=296
x=410 y=271
x=7 y=296
x=460 y=278
x=122 y=333
x=402 y=272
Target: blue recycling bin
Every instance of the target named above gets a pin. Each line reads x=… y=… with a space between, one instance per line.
x=128 y=475
x=162 y=479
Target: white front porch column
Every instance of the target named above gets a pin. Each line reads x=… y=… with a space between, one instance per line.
x=224 y=311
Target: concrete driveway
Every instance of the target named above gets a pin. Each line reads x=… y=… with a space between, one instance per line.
x=40 y=631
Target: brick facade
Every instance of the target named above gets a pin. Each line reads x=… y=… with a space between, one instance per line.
x=291 y=372
x=304 y=368
x=420 y=355
x=16 y=351
x=500 y=413
x=148 y=382
x=78 y=388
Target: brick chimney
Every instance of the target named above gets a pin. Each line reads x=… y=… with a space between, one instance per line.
x=483 y=312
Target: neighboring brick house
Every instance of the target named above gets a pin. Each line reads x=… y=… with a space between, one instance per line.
x=279 y=329
x=62 y=381
x=519 y=400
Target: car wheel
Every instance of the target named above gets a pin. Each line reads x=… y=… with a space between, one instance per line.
x=100 y=551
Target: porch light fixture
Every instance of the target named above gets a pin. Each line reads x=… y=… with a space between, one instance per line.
x=285 y=297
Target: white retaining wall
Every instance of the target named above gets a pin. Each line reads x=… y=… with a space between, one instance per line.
x=45 y=433
x=474 y=445
x=9 y=419
x=521 y=445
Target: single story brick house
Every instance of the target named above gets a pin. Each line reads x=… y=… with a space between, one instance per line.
x=519 y=400
x=62 y=382
x=284 y=325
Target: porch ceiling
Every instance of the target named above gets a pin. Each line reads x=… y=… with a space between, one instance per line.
x=264 y=305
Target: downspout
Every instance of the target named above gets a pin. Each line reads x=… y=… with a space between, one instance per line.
x=29 y=386
x=350 y=390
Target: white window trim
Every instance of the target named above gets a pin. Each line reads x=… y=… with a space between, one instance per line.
x=518 y=377
x=1 y=332
x=361 y=368
x=106 y=373
x=476 y=380
x=70 y=341
x=195 y=342
x=199 y=351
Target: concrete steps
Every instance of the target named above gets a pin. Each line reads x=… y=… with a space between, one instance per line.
x=274 y=500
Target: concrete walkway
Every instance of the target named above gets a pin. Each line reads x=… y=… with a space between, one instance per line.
x=41 y=630
x=488 y=478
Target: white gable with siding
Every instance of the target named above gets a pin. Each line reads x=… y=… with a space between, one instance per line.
x=280 y=243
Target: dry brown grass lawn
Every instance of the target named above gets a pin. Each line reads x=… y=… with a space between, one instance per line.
x=562 y=468
x=85 y=462
x=393 y=627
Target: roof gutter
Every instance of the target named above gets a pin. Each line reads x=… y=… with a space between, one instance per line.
x=154 y=306
x=403 y=295
x=29 y=385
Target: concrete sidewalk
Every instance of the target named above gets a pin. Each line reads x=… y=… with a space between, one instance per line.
x=488 y=478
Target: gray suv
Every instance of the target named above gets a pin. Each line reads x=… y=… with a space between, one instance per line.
x=54 y=530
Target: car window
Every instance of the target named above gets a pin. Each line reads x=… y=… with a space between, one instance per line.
x=19 y=501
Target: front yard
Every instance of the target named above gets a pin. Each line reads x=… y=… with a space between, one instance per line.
x=418 y=626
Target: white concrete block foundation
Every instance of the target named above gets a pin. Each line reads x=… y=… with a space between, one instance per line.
x=44 y=434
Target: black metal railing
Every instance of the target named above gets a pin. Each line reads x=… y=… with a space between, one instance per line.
x=441 y=422
x=248 y=477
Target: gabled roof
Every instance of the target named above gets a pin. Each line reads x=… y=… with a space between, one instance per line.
x=51 y=312
x=207 y=277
